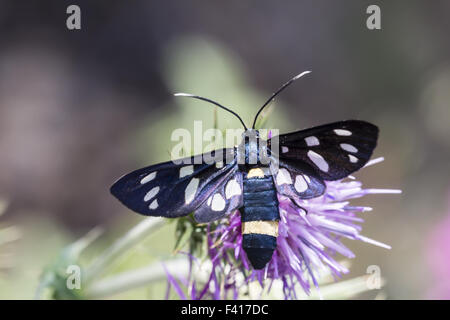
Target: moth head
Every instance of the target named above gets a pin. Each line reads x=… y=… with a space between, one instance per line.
x=250 y=133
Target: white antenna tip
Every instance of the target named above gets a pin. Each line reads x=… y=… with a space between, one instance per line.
x=181 y=94
x=301 y=75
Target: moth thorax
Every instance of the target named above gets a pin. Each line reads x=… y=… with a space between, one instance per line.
x=269 y=228
x=248 y=150
x=252 y=151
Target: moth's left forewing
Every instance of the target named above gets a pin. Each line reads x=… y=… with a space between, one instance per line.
x=334 y=150
x=174 y=188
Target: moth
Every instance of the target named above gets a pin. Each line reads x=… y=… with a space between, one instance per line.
x=296 y=167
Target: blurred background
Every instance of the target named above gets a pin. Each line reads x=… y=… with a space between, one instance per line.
x=79 y=108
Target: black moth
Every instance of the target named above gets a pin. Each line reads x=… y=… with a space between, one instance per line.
x=296 y=168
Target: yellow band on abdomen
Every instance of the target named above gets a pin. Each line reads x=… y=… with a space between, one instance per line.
x=255 y=173
x=261 y=227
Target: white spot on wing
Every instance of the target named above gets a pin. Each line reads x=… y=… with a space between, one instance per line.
x=342 y=132
x=151 y=194
x=148 y=177
x=153 y=205
x=232 y=189
x=312 y=141
x=352 y=158
x=219 y=164
x=218 y=203
x=300 y=184
x=186 y=171
x=283 y=177
x=308 y=179
x=284 y=149
x=318 y=160
x=349 y=147
x=208 y=202
x=190 y=191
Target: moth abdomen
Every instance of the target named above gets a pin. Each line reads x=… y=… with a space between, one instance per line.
x=259 y=248
x=260 y=216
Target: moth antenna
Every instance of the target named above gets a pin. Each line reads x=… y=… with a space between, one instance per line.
x=211 y=101
x=284 y=86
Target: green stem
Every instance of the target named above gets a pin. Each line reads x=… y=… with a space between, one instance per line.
x=131 y=238
x=137 y=278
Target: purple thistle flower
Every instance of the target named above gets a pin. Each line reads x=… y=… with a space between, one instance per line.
x=309 y=238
